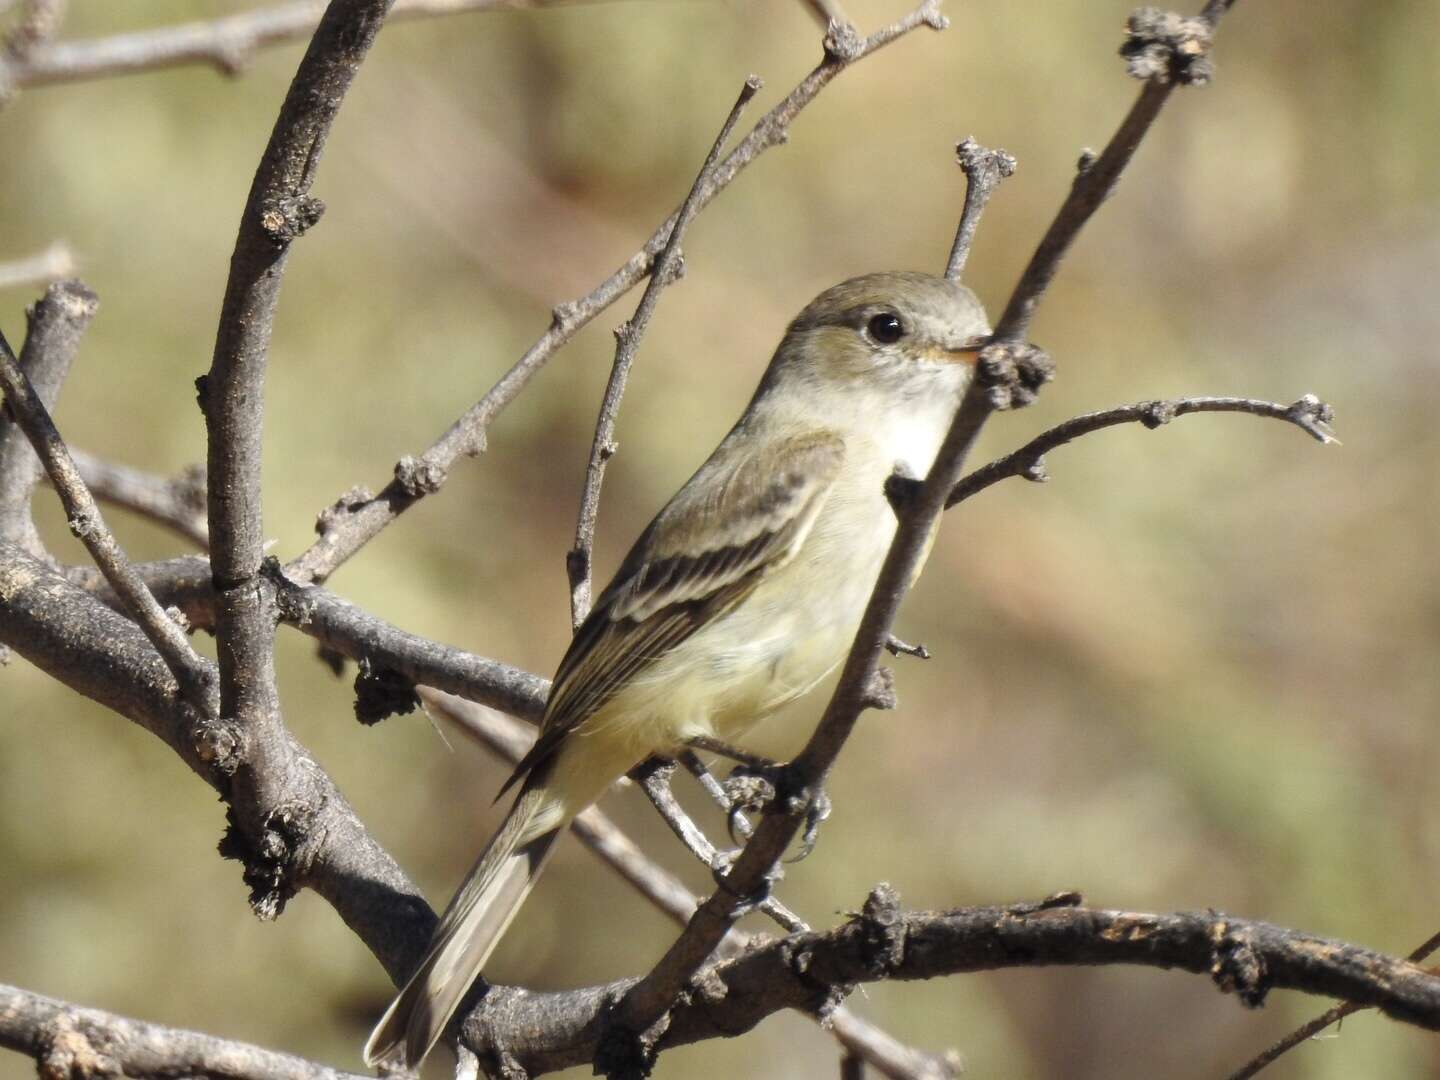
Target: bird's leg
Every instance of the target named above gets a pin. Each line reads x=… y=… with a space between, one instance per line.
x=751 y=786
x=731 y=751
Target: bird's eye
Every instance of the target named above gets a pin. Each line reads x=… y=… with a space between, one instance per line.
x=885 y=328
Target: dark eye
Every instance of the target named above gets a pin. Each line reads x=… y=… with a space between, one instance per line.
x=885 y=328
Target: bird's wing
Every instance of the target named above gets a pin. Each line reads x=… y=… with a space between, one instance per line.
x=740 y=517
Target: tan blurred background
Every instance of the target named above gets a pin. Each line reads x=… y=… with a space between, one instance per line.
x=1197 y=669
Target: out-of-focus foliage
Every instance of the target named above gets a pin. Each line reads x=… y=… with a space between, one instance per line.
x=1196 y=669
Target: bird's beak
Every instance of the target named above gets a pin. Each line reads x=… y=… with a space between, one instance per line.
x=963 y=353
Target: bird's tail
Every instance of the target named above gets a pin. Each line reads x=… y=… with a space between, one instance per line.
x=470 y=928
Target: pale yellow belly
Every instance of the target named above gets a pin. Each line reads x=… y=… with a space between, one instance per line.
x=770 y=649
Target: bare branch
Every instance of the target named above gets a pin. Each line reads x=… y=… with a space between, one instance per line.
x=42 y=268
x=55 y=326
x=352 y=523
x=177 y=503
x=667 y=268
x=279 y=208
x=1308 y=413
x=307 y=836
x=68 y=1040
x=349 y=630
x=547 y=1031
x=185 y=583
x=1321 y=1022
x=984 y=169
x=228 y=44
x=89 y=527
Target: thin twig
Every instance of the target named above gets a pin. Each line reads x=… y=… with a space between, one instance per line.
x=984 y=169
x=351 y=524
x=361 y=636
x=1008 y=373
x=1320 y=1023
x=509 y=739
x=667 y=268
x=71 y=1041
x=227 y=44
x=1308 y=413
x=1096 y=178
x=896 y=647
x=175 y=502
x=86 y=522
x=654 y=777
x=713 y=788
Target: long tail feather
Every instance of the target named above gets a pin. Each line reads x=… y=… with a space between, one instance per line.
x=467 y=933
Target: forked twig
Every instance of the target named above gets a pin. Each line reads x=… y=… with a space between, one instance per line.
x=351 y=523
x=1308 y=413
x=1309 y=1030
x=88 y=525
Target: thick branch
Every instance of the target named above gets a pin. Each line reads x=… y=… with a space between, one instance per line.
x=667 y=268
x=70 y=1041
x=349 y=630
x=185 y=583
x=544 y=1032
x=228 y=44
x=278 y=209
x=352 y=523
x=1313 y=1028
x=307 y=836
x=1308 y=413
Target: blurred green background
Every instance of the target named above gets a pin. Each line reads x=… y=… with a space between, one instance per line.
x=1196 y=669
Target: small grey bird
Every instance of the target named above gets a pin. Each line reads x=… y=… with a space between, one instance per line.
x=741 y=595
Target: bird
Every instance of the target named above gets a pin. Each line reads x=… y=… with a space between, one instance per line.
x=745 y=591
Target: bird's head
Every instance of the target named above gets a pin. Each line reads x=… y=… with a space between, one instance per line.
x=899 y=333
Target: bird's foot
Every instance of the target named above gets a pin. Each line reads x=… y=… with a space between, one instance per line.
x=751 y=788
